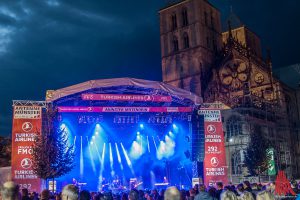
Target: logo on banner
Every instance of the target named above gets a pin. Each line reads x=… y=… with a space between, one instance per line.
x=214 y=161
x=26 y=163
x=211 y=129
x=27 y=126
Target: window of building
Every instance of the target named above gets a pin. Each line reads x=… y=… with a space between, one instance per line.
x=212 y=22
x=175 y=44
x=207 y=42
x=186 y=41
x=237 y=162
x=233 y=127
x=185 y=21
x=205 y=18
x=174 y=21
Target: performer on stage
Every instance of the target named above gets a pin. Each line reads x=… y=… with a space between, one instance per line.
x=74 y=182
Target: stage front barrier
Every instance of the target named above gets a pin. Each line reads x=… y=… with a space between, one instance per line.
x=27 y=122
x=215 y=168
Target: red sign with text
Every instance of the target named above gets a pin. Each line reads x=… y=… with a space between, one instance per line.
x=215 y=168
x=27 y=122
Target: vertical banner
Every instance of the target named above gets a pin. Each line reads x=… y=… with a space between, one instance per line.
x=271 y=162
x=215 y=167
x=27 y=122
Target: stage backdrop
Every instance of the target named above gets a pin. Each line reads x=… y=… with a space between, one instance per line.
x=27 y=121
x=215 y=168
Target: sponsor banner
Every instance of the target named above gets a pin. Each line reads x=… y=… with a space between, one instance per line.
x=27 y=123
x=215 y=168
x=271 y=162
x=125 y=97
x=125 y=109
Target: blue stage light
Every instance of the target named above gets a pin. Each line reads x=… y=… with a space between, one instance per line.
x=97 y=126
x=138 y=133
x=142 y=126
x=62 y=126
x=96 y=133
x=93 y=137
x=175 y=126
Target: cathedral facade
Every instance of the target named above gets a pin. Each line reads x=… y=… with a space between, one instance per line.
x=228 y=67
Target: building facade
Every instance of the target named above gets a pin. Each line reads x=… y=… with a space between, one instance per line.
x=228 y=67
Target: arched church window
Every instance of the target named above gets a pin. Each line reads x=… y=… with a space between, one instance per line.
x=174 y=21
x=184 y=13
x=186 y=41
x=237 y=162
x=233 y=127
x=175 y=44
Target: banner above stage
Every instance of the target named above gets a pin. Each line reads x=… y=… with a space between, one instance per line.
x=126 y=97
x=80 y=109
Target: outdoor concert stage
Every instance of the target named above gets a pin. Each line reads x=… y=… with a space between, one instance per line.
x=128 y=130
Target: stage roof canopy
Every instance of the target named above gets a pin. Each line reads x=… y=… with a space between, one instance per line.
x=106 y=83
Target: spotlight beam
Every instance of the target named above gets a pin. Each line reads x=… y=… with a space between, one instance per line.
x=119 y=157
x=148 y=144
x=81 y=158
x=128 y=160
x=91 y=155
x=111 y=159
x=154 y=143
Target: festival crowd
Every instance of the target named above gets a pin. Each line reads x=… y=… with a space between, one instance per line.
x=243 y=191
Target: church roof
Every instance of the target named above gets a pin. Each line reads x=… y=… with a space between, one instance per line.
x=235 y=22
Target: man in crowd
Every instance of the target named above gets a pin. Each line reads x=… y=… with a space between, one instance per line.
x=9 y=191
x=70 y=192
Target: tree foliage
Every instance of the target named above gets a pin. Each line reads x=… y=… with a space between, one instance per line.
x=5 y=151
x=256 y=158
x=52 y=155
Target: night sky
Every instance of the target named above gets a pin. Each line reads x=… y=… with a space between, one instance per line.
x=54 y=44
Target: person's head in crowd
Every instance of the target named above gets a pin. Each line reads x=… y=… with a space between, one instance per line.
x=265 y=195
x=202 y=188
x=9 y=191
x=254 y=186
x=172 y=193
x=70 y=192
x=45 y=194
x=247 y=195
x=196 y=188
x=219 y=186
x=240 y=188
x=228 y=195
x=259 y=186
x=58 y=196
x=212 y=191
x=133 y=195
x=84 y=195
x=192 y=193
x=246 y=184
x=124 y=196
x=25 y=192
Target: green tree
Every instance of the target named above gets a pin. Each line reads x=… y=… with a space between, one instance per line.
x=52 y=156
x=256 y=158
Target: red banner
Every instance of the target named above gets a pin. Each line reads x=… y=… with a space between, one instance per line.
x=124 y=109
x=126 y=97
x=27 y=121
x=215 y=168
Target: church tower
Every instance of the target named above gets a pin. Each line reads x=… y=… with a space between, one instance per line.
x=190 y=34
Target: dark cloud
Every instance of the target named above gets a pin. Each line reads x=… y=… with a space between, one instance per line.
x=50 y=44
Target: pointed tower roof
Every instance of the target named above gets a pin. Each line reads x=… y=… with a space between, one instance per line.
x=235 y=21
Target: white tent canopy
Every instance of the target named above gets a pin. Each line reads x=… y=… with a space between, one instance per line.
x=56 y=94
